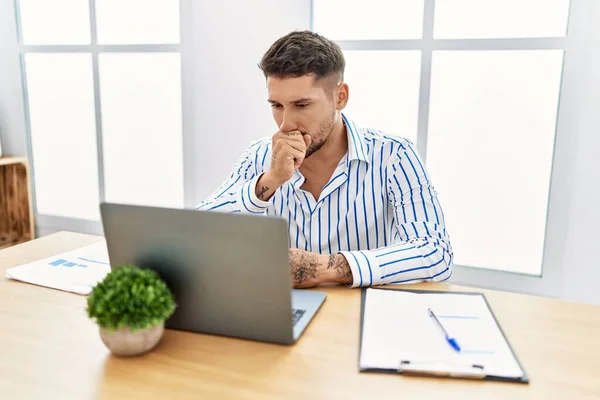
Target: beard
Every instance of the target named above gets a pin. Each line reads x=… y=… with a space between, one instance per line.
x=321 y=137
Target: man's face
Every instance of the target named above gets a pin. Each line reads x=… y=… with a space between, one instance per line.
x=300 y=104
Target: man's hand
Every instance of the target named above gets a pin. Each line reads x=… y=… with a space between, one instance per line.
x=311 y=269
x=288 y=151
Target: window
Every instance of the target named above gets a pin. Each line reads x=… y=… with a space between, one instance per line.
x=489 y=149
x=46 y=22
x=476 y=84
x=103 y=103
x=484 y=19
x=141 y=125
x=379 y=19
x=63 y=138
x=394 y=110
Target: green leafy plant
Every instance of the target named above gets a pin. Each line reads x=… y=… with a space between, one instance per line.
x=130 y=296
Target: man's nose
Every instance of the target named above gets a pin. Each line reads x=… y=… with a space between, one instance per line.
x=287 y=123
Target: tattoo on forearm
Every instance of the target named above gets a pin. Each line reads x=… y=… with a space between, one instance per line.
x=261 y=193
x=304 y=266
x=340 y=265
x=330 y=261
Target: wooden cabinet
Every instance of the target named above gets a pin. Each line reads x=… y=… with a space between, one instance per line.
x=16 y=214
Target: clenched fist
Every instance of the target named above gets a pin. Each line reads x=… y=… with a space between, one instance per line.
x=288 y=151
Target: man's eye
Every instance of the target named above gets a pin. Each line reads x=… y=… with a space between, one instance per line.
x=301 y=105
x=276 y=105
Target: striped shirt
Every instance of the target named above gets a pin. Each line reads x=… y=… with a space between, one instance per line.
x=379 y=209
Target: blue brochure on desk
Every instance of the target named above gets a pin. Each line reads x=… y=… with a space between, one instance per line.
x=446 y=334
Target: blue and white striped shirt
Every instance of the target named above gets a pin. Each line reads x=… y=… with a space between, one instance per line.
x=379 y=209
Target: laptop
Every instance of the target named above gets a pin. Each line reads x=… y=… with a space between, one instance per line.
x=229 y=273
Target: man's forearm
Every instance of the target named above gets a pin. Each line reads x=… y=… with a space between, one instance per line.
x=267 y=185
x=338 y=269
x=311 y=269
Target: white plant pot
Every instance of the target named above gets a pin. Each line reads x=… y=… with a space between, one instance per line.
x=124 y=342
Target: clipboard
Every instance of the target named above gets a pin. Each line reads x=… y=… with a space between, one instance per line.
x=433 y=369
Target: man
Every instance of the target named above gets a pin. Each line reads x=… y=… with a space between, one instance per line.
x=360 y=206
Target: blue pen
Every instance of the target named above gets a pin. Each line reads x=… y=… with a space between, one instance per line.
x=449 y=339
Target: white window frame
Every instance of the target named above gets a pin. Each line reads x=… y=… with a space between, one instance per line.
x=549 y=283
x=46 y=223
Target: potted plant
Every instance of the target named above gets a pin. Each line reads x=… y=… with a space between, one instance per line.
x=130 y=307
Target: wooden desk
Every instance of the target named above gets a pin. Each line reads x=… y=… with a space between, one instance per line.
x=49 y=348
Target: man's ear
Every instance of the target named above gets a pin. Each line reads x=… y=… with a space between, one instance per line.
x=342 y=93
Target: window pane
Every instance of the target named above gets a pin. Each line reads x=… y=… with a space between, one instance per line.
x=490 y=146
x=374 y=19
x=141 y=125
x=63 y=132
x=46 y=22
x=137 y=21
x=384 y=90
x=457 y=19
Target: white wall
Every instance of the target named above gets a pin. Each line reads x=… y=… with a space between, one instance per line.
x=581 y=258
x=225 y=90
x=12 y=119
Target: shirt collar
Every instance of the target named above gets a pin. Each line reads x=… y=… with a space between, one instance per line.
x=357 y=148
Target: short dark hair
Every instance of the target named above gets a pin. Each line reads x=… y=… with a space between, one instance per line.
x=302 y=53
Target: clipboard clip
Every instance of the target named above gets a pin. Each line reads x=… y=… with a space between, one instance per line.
x=442 y=369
